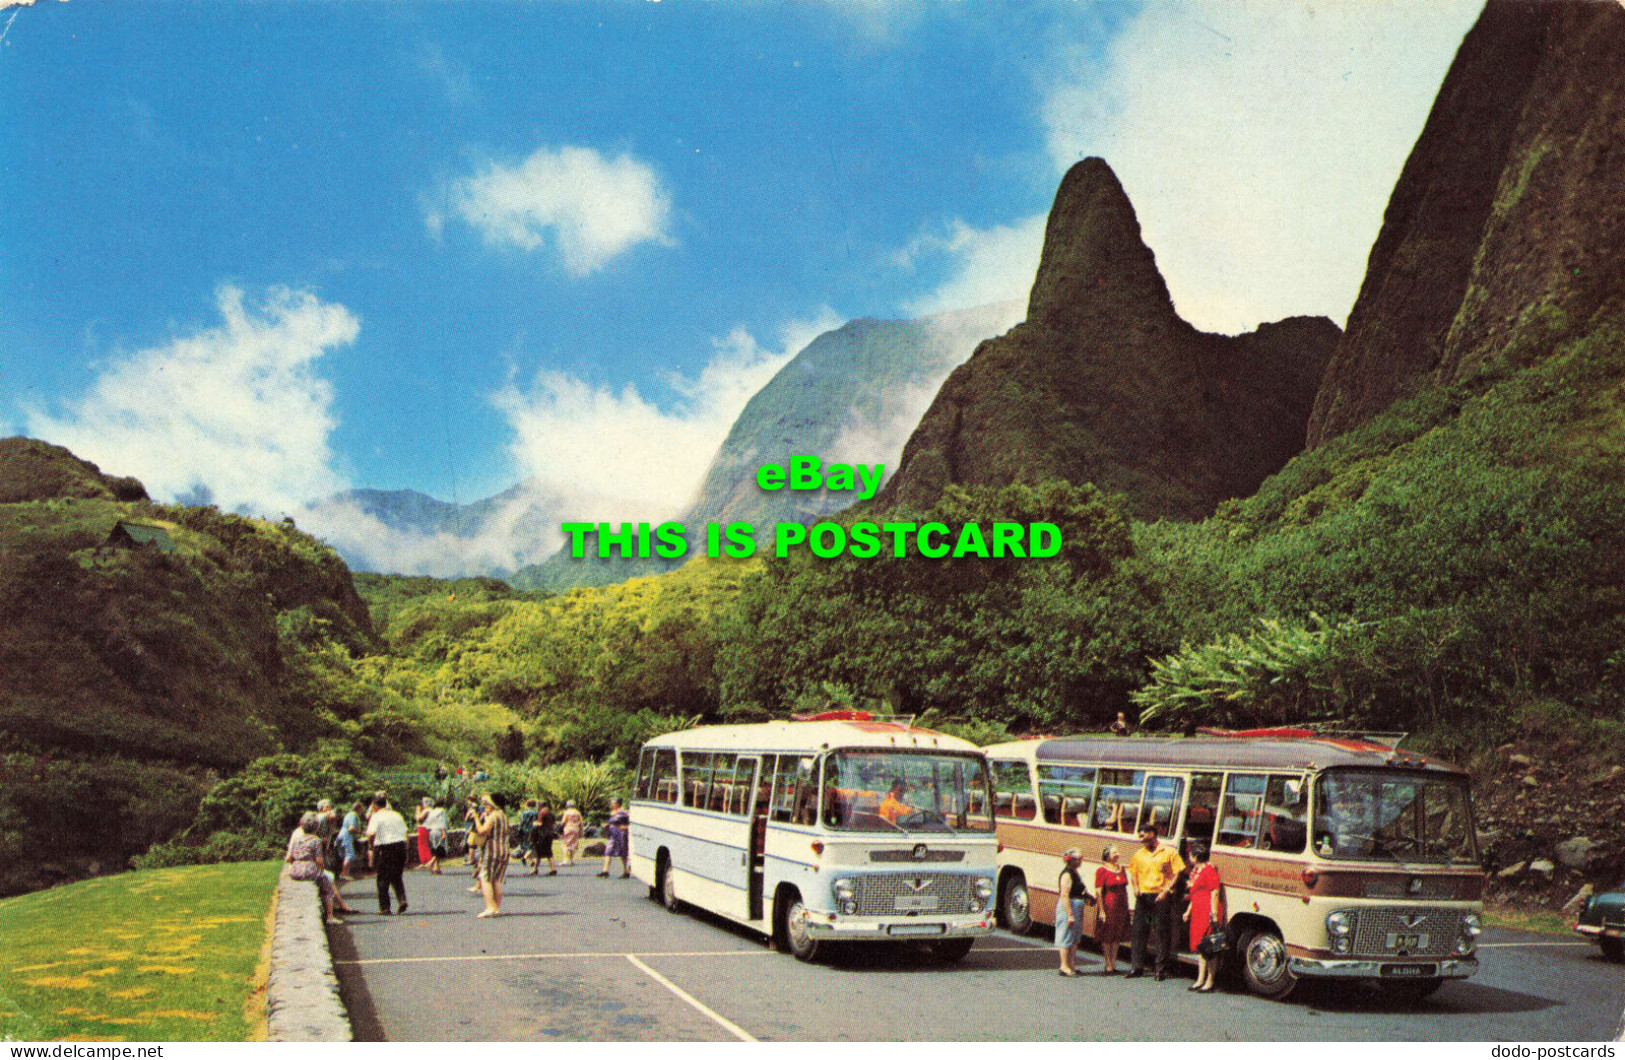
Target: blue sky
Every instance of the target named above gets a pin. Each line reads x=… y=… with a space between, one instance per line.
x=276 y=250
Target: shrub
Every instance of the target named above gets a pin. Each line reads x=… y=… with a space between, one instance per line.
x=219 y=847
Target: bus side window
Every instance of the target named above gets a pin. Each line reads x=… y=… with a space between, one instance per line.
x=784 y=786
x=1201 y=814
x=696 y=778
x=1162 y=796
x=722 y=783
x=1118 y=804
x=806 y=788
x=646 y=764
x=663 y=777
x=1241 y=810
x=1066 y=792
x=1012 y=790
x=1286 y=826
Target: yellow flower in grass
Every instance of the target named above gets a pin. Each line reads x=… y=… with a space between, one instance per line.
x=178 y=1014
x=59 y=982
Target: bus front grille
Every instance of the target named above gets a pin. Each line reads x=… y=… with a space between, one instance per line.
x=1408 y=932
x=888 y=894
x=917 y=855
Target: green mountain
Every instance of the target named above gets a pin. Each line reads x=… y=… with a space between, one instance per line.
x=1104 y=383
x=145 y=648
x=1503 y=238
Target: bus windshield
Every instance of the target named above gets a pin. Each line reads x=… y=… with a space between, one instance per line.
x=906 y=791
x=1380 y=816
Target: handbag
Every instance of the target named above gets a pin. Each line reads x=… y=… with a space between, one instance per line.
x=1215 y=942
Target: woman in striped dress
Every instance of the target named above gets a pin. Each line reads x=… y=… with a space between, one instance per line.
x=493 y=825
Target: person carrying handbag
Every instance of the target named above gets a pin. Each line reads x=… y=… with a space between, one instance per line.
x=1205 y=915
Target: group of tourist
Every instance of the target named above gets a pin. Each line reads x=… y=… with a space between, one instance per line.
x=331 y=850
x=1155 y=874
x=328 y=849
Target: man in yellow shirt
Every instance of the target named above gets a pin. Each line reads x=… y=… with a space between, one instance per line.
x=1154 y=870
x=892 y=806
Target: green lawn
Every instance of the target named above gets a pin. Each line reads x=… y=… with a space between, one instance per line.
x=165 y=955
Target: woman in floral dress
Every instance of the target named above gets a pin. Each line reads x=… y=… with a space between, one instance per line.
x=304 y=858
x=570 y=828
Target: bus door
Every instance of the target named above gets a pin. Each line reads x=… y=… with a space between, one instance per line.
x=748 y=783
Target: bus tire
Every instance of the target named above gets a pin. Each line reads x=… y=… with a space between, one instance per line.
x=793 y=927
x=668 y=888
x=1015 y=906
x=1613 y=950
x=949 y=951
x=1264 y=965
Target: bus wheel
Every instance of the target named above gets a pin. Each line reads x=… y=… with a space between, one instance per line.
x=793 y=922
x=949 y=951
x=1613 y=950
x=668 y=889
x=1015 y=908
x=1410 y=989
x=1264 y=965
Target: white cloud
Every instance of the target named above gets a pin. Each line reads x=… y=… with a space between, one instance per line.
x=617 y=456
x=587 y=208
x=237 y=411
x=987 y=265
x=1259 y=141
x=521 y=530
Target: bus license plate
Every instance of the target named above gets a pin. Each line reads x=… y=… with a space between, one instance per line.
x=915 y=903
x=1399 y=941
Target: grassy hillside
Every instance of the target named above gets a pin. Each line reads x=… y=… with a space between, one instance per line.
x=150 y=956
x=137 y=674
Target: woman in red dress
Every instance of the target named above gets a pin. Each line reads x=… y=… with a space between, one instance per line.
x=425 y=855
x=1111 y=922
x=1205 y=912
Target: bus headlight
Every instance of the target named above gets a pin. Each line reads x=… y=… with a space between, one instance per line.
x=845 y=896
x=1471 y=927
x=982 y=893
x=1340 y=931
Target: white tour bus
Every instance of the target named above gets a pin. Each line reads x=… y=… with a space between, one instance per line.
x=799 y=830
x=1340 y=857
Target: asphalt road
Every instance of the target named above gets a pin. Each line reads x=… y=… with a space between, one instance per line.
x=578 y=958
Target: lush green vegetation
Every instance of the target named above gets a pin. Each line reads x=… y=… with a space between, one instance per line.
x=1455 y=566
x=152 y=956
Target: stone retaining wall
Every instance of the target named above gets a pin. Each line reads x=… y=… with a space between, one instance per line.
x=302 y=995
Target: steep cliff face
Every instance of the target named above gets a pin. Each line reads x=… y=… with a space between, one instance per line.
x=1504 y=234
x=1105 y=383
x=853 y=395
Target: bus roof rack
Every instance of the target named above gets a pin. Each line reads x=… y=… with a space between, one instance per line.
x=905 y=720
x=1390 y=740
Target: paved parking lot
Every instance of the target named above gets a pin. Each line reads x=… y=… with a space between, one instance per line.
x=580 y=958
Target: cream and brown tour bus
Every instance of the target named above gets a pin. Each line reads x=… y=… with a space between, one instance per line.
x=837 y=826
x=1340 y=857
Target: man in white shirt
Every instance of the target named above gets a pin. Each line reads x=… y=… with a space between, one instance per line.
x=386 y=830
